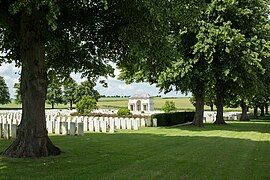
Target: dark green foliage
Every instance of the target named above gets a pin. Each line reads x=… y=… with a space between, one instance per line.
x=123 y=112
x=18 y=96
x=170 y=119
x=86 y=104
x=86 y=88
x=169 y=106
x=4 y=93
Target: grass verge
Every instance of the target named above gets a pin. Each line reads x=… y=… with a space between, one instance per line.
x=239 y=150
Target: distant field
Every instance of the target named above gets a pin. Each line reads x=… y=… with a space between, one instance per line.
x=182 y=103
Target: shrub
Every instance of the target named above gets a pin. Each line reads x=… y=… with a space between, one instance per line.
x=123 y=112
x=170 y=119
x=169 y=106
x=86 y=105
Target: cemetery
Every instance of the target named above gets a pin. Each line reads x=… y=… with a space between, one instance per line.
x=62 y=61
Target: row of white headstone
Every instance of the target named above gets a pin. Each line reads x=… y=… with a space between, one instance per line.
x=76 y=125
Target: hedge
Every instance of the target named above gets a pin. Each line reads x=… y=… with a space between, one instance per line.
x=170 y=119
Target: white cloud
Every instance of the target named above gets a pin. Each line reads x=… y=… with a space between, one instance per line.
x=10 y=73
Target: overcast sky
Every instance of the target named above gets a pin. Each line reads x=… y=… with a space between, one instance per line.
x=115 y=87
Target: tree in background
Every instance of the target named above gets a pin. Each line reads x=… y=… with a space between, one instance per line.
x=86 y=88
x=18 y=96
x=169 y=106
x=4 y=93
x=54 y=92
x=86 y=104
x=234 y=37
x=69 y=90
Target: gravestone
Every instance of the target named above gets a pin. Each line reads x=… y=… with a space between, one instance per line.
x=117 y=123
x=1 y=131
x=80 y=129
x=14 y=131
x=135 y=124
x=91 y=125
x=85 y=124
x=50 y=128
x=6 y=131
x=64 y=128
x=112 y=125
x=123 y=123
x=128 y=121
x=155 y=122
x=103 y=126
x=148 y=122
x=72 y=129
x=142 y=122
x=97 y=125
x=57 y=126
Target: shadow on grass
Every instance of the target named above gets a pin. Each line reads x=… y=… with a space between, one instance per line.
x=261 y=126
x=144 y=156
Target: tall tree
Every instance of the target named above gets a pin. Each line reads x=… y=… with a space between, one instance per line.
x=168 y=59
x=234 y=35
x=4 y=92
x=61 y=36
x=54 y=92
x=18 y=96
x=69 y=91
x=86 y=88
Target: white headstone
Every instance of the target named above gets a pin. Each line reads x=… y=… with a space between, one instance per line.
x=142 y=122
x=154 y=122
x=103 y=126
x=97 y=125
x=112 y=125
x=91 y=125
x=135 y=124
x=1 y=131
x=80 y=129
x=128 y=121
x=57 y=127
x=14 y=131
x=117 y=123
x=72 y=130
x=123 y=123
x=6 y=131
x=85 y=124
x=64 y=128
x=148 y=122
x=50 y=128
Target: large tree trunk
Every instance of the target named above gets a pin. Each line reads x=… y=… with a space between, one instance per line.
x=199 y=106
x=220 y=91
x=256 y=112
x=266 y=109
x=32 y=139
x=52 y=105
x=212 y=107
x=244 y=115
x=70 y=105
x=262 y=110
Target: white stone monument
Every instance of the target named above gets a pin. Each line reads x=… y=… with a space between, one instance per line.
x=141 y=102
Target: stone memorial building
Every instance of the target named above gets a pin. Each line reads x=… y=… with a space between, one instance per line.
x=141 y=102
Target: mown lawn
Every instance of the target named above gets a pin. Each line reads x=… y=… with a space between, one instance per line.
x=239 y=150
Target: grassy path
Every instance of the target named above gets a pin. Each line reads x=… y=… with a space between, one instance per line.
x=239 y=150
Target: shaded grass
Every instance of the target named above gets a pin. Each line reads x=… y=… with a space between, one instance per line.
x=234 y=151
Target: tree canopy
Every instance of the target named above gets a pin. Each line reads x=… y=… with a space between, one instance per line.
x=4 y=92
x=60 y=37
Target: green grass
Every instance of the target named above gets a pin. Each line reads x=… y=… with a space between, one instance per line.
x=181 y=103
x=239 y=150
